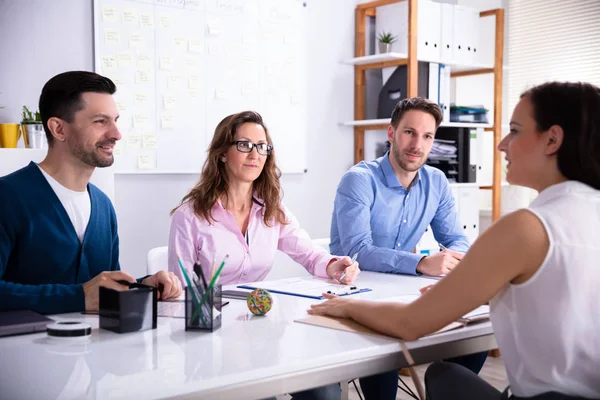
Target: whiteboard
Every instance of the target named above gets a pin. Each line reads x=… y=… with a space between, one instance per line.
x=181 y=66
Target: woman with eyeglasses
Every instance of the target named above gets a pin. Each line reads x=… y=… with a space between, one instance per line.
x=236 y=209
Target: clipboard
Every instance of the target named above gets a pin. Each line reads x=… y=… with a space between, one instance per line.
x=311 y=288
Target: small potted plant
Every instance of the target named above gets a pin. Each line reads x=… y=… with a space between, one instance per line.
x=385 y=42
x=33 y=130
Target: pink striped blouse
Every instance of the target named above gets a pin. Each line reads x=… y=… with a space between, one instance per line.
x=250 y=259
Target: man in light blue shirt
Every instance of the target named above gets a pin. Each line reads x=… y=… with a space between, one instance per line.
x=383 y=207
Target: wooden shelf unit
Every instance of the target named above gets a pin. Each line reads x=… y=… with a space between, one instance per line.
x=362 y=62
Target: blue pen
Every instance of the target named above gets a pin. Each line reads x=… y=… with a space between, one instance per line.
x=344 y=273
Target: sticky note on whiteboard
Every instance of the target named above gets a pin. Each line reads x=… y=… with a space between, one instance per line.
x=146 y=20
x=141 y=99
x=108 y=63
x=179 y=43
x=167 y=120
x=214 y=27
x=166 y=63
x=112 y=36
x=118 y=149
x=220 y=93
x=164 y=20
x=136 y=39
x=134 y=141
x=149 y=141
x=144 y=61
x=214 y=48
x=169 y=102
x=125 y=59
x=142 y=76
x=109 y=14
x=194 y=82
x=195 y=46
x=130 y=16
x=173 y=81
x=140 y=120
x=147 y=159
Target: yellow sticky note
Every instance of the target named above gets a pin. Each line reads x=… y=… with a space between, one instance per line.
x=169 y=102
x=220 y=93
x=144 y=61
x=118 y=149
x=149 y=141
x=193 y=95
x=214 y=27
x=140 y=120
x=166 y=63
x=112 y=36
x=109 y=14
x=108 y=63
x=195 y=46
x=213 y=48
x=141 y=99
x=190 y=61
x=130 y=16
x=179 y=43
x=147 y=159
x=146 y=20
x=142 y=76
x=164 y=20
x=136 y=39
x=134 y=141
x=167 y=120
x=121 y=106
x=125 y=58
x=173 y=81
x=194 y=82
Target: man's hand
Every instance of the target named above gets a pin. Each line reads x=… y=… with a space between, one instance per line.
x=440 y=263
x=168 y=284
x=337 y=268
x=107 y=279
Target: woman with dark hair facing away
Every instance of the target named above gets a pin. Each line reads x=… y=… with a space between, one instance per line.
x=538 y=267
x=236 y=209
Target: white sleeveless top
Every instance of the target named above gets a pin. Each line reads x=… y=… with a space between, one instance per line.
x=548 y=328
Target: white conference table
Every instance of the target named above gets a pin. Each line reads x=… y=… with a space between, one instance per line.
x=249 y=357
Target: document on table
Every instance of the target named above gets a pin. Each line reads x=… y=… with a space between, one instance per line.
x=312 y=287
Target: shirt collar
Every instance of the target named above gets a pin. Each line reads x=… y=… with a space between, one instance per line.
x=391 y=179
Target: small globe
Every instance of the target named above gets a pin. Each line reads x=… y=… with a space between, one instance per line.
x=260 y=301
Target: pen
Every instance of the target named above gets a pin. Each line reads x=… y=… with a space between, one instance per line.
x=344 y=273
x=442 y=247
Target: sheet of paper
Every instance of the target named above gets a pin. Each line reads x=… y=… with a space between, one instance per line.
x=173 y=81
x=130 y=16
x=141 y=99
x=179 y=43
x=312 y=286
x=121 y=106
x=194 y=82
x=144 y=61
x=108 y=64
x=190 y=61
x=142 y=76
x=214 y=27
x=147 y=159
x=214 y=48
x=140 y=120
x=164 y=20
x=167 y=120
x=196 y=46
x=134 y=141
x=149 y=141
x=112 y=36
x=166 y=63
x=136 y=39
x=169 y=102
x=146 y=20
x=109 y=14
x=125 y=59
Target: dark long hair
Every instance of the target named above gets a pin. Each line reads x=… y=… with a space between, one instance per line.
x=214 y=182
x=575 y=107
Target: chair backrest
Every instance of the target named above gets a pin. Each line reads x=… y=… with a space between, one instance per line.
x=322 y=243
x=157 y=260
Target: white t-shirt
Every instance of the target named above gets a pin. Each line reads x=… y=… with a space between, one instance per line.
x=548 y=328
x=77 y=204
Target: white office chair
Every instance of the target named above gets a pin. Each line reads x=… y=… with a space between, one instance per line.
x=157 y=260
x=322 y=243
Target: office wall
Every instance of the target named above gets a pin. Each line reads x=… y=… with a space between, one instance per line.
x=59 y=37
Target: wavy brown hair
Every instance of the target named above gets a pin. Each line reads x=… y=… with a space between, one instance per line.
x=214 y=181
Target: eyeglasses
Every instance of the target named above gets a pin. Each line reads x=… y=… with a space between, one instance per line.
x=245 y=146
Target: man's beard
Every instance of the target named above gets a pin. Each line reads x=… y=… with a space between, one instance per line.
x=397 y=154
x=92 y=158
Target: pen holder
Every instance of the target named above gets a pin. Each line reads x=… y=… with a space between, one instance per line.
x=203 y=314
x=128 y=311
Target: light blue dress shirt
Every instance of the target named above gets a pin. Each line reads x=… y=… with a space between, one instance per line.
x=376 y=217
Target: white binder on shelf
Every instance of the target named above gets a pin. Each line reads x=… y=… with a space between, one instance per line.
x=462 y=17
x=447 y=33
x=472 y=35
x=429 y=31
x=444 y=94
x=434 y=83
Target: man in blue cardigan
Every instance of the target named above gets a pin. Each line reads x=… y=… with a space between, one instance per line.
x=58 y=232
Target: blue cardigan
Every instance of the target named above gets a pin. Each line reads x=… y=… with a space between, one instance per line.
x=42 y=263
